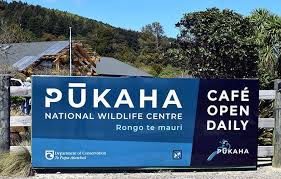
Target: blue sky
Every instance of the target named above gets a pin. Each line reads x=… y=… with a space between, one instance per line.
x=134 y=14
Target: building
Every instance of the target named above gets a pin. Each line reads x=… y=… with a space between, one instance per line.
x=33 y=57
x=107 y=66
x=44 y=57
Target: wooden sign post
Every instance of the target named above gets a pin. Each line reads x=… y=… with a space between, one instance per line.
x=4 y=113
x=277 y=128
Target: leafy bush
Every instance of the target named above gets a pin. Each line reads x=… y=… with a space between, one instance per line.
x=218 y=44
x=17 y=100
x=171 y=72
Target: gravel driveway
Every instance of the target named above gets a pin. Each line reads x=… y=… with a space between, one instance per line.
x=262 y=173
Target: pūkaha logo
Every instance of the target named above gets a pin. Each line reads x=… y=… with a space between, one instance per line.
x=225 y=149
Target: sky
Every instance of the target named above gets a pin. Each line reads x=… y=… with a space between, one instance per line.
x=134 y=14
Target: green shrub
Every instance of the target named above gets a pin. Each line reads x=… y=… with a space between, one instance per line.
x=171 y=72
x=17 y=100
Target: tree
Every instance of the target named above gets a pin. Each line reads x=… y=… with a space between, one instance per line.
x=156 y=30
x=218 y=44
x=153 y=44
x=127 y=45
x=176 y=58
x=50 y=24
x=268 y=37
x=10 y=33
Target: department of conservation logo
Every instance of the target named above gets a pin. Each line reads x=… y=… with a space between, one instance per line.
x=49 y=154
x=226 y=149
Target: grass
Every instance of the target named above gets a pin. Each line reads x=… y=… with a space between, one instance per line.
x=16 y=164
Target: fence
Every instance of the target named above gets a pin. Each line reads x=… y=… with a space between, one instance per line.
x=263 y=151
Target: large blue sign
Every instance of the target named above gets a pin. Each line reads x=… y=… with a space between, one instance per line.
x=143 y=122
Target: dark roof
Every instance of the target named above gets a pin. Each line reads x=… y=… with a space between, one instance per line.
x=113 y=67
x=22 y=55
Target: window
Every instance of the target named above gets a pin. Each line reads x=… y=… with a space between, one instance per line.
x=15 y=83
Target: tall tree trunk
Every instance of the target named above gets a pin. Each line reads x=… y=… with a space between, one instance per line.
x=4 y=113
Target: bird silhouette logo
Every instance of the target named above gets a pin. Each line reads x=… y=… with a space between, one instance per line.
x=224 y=145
